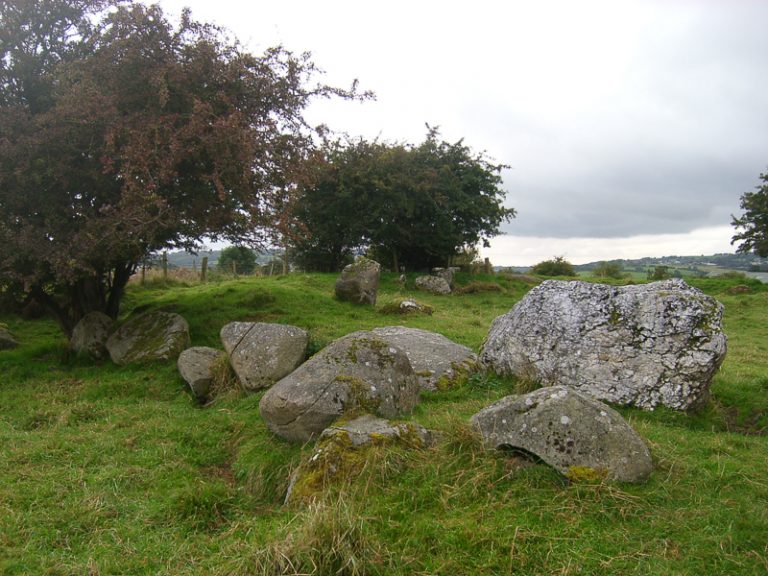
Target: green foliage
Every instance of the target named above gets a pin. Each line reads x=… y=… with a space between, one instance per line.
x=558 y=266
x=607 y=270
x=124 y=134
x=754 y=222
x=659 y=273
x=237 y=260
x=414 y=206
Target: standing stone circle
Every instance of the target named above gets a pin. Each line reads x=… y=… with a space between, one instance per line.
x=358 y=372
x=572 y=432
x=437 y=361
x=646 y=345
x=90 y=335
x=152 y=336
x=261 y=353
x=359 y=282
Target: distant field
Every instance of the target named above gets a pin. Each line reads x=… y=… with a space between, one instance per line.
x=109 y=470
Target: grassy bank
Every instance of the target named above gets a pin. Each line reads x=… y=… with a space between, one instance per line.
x=109 y=470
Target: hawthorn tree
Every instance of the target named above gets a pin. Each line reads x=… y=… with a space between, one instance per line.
x=237 y=259
x=122 y=134
x=412 y=205
x=558 y=266
x=754 y=221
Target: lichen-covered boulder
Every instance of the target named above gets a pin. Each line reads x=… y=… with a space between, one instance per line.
x=90 y=335
x=359 y=282
x=438 y=362
x=261 y=353
x=572 y=432
x=446 y=274
x=342 y=451
x=196 y=368
x=149 y=337
x=646 y=345
x=359 y=372
x=433 y=284
x=7 y=341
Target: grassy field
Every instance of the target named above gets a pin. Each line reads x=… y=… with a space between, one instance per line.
x=108 y=470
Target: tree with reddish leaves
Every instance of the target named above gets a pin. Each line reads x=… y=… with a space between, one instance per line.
x=122 y=134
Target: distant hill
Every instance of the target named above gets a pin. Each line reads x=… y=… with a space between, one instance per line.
x=182 y=259
x=743 y=262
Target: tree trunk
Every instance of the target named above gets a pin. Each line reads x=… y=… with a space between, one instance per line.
x=395 y=263
x=204 y=268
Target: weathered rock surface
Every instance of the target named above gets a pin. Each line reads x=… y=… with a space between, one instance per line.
x=570 y=431
x=340 y=453
x=646 y=345
x=360 y=371
x=433 y=284
x=446 y=274
x=90 y=335
x=7 y=341
x=195 y=366
x=152 y=336
x=359 y=282
x=262 y=353
x=437 y=361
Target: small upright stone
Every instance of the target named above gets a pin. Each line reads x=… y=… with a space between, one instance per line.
x=90 y=335
x=359 y=282
x=446 y=274
x=196 y=368
x=7 y=341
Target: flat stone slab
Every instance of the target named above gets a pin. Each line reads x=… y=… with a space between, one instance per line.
x=572 y=432
x=645 y=345
x=358 y=372
x=437 y=361
x=150 y=337
x=262 y=353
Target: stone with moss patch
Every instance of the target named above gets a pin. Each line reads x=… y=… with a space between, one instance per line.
x=439 y=362
x=646 y=345
x=89 y=337
x=582 y=438
x=342 y=451
x=149 y=337
x=360 y=371
x=196 y=366
x=359 y=282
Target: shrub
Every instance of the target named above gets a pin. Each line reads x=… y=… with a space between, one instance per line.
x=558 y=266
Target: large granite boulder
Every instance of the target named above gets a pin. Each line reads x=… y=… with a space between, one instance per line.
x=433 y=285
x=196 y=368
x=438 y=362
x=341 y=452
x=90 y=335
x=359 y=282
x=7 y=341
x=262 y=353
x=149 y=337
x=359 y=372
x=572 y=432
x=647 y=345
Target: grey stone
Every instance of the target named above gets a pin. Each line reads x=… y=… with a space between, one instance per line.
x=262 y=353
x=195 y=366
x=646 y=345
x=332 y=457
x=90 y=335
x=359 y=282
x=7 y=341
x=149 y=337
x=437 y=361
x=433 y=284
x=570 y=431
x=446 y=274
x=360 y=371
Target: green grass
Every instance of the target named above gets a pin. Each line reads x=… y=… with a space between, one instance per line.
x=109 y=470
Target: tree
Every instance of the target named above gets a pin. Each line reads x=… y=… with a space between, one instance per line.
x=413 y=205
x=122 y=134
x=754 y=221
x=607 y=270
x=237 y=259
x=558 y=266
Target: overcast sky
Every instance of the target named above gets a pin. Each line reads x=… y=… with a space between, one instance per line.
x=632 y=127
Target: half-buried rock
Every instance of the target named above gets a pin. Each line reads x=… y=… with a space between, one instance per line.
x=196 y=368
x=359 y=372
x=438 y=362
x=150 y=337
x=646 y=345
x=574 y=433
x=262 y=353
